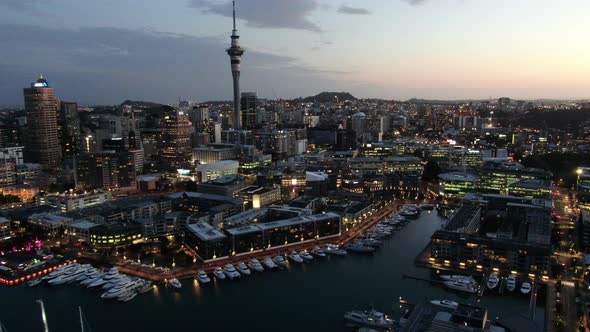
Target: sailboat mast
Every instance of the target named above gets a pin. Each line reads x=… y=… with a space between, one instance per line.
x=43 y=316
x=81 y=319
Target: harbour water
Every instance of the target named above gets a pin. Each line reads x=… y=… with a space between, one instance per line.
x=310 y=297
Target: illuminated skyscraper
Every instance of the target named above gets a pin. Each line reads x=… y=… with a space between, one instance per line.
x=175 y=140
x=235 y=54
x=43 y=146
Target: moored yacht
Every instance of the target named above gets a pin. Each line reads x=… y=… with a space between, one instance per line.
x=319 y=252
x=243 y=269
x=458 y=277
x=493 y=280
x=525 y=288
x=370 y=318
x=280 y=261
x=127 y=296
x=175 y=283
x=121 y=279
x=294 y=257
x=218 y=273
x=445 y=303
x=332 y=249
x=202 y=277
x=269 y=263
x=461 y=285
x=306 y=256
x=121 y=289
x=360 y=247
x=255 y=265
x=147 y=286
x=511 y=282
x=90 y=280
x=230 y=271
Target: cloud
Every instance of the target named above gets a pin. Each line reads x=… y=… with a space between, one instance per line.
x=415 y=2
x=353 y=10
x=284 y=14
x=30 y=7
x=109 y=65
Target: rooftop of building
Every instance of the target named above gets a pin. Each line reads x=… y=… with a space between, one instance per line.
x=205 y=231
x=462 y=218
x=255 y=190
x=464 y=177
x=212 y=197
x=225 y=180
x=84 y=224
x=532 y=184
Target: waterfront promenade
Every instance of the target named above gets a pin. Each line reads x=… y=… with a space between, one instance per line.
x=158 y=275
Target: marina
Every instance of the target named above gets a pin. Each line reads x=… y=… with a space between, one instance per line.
x=329 y=279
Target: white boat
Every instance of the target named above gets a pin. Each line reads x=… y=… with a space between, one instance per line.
x=525 y=288
x=461 y=285
x=493 y=280
x=280 y=261
x=294 y=257
x=458 y=277
x=121 y=289
x=58 y=272
x=255 y=265
x=121 y=279
x=306 y=256
x=230 y=271
x=426 y=206
x=360 y=247
x=511 y=283
x=269 y=263
x=202 y=277
x=243 y=269
x=127 y=296
x=409 y=214
x=147 y=286
x=445 y=303
x=370 y=318
x=68 y=276
x=218 y=273
x=175 y=283
x=332 y=249
x=91 y=280
x=371 y=242
x=319 y=252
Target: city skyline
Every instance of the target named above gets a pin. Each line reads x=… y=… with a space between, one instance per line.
x=434 y=50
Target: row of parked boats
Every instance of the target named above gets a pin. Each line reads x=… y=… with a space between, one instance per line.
x=469 y=285
x=111 y=283
x=373 y=238
x=231 y=271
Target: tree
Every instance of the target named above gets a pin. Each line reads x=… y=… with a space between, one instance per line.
x=431 y=171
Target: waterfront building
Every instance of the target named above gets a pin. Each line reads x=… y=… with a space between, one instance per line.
x=211 y=243
x=506 y=234
x=75 y=201
x=454 y=186
x=249 y=104
x=115 y=235
x=426 y=316
x=43 y=146
x=80 y=231
x=214 y=170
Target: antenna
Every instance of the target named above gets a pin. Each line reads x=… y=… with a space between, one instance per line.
x=234 y=10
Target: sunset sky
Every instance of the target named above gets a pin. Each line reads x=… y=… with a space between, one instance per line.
x=110 y=50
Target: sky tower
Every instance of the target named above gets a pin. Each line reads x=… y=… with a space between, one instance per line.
x=235 y=55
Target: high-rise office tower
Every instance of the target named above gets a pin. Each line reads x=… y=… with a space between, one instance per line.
x=235 y=54
x=43 y=146
x=175 y=139
x=69 y=125
x=248 y=105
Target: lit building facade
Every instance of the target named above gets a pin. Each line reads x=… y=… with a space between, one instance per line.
x=175 y=139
